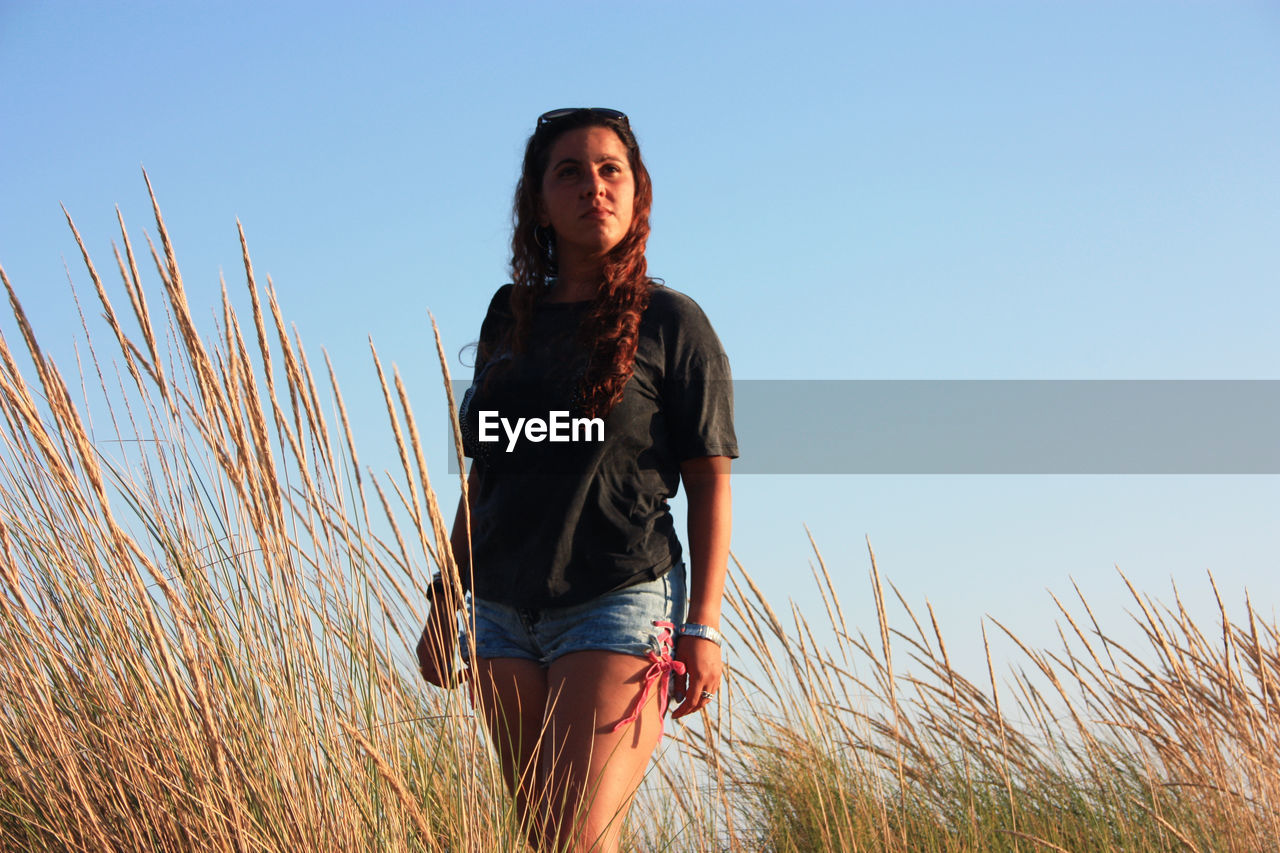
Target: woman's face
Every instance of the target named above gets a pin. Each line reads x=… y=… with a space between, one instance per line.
x=588 y=192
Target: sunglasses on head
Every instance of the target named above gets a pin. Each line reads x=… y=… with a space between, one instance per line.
x=604 y=112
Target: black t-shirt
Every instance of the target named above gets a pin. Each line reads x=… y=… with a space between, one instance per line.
x=558 y=521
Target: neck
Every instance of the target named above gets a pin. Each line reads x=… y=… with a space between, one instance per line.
x=576 y=282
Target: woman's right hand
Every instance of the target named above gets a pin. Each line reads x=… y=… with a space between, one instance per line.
x=438 y=646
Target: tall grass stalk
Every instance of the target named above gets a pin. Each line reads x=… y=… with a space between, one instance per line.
x=204 y=634
x=1174 y=746
x=209 y=606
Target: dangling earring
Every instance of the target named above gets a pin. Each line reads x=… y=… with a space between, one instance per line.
x=543 y=239
x=546 y=242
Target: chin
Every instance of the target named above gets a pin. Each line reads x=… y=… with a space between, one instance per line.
x=597 y=248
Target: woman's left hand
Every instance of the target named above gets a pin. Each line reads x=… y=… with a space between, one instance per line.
x=702 y=663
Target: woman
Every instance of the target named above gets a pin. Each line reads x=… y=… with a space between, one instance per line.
x=596 y=392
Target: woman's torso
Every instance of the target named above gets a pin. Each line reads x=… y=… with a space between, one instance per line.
x=557 y=522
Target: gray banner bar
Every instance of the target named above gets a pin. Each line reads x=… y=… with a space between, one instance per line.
x=1006 y=426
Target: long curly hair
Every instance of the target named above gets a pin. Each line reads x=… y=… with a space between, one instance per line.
x=610 y=329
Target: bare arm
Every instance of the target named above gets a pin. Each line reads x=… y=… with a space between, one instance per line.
x=439 y=640
x=458 y=538
x=706 y=482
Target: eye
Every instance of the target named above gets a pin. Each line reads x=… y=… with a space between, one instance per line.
x=567 y=171
x=611 y=169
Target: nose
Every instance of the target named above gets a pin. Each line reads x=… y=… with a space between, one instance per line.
x=593 y=185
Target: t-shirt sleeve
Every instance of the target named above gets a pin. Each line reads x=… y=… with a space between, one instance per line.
x=498 y=314
x=698 y=390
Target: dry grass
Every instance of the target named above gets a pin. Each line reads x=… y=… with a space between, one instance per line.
x=205 y=637
x=1175 y=746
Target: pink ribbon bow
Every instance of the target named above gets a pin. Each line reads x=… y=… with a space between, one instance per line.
x=661 y=666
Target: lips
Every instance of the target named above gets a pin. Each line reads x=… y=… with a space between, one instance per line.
x=597 y=213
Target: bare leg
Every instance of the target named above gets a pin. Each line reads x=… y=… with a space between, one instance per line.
x=512 y=696
x=595 y=771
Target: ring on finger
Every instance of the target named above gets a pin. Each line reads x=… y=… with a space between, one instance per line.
x=708 y=695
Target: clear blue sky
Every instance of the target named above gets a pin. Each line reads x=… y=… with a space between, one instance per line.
x=851 y=191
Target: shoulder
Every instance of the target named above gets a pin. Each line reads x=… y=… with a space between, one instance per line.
x=668 y=302
x=498 y=316
x=681 y=327
x=499 y=310
x=676 y=312
x=500 y=304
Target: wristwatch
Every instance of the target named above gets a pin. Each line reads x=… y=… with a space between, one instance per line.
x=705 y=632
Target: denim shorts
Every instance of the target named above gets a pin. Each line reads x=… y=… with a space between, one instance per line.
x=637 y=620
